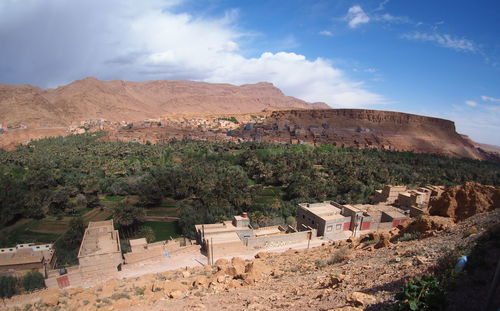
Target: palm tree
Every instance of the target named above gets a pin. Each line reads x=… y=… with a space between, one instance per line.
x=128 y=217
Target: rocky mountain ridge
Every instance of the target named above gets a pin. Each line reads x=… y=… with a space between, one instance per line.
x=155 y=111
x=119 y=100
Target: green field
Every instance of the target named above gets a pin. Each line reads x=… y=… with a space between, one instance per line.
x=25 y=234
x=111 y=198
x=96 y=214
x=269 y=196
x=164 y=230
x=47 y=229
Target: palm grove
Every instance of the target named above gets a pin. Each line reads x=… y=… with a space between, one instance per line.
x=211 y=181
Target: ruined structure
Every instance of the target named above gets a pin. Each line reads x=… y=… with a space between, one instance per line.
x=23 y=258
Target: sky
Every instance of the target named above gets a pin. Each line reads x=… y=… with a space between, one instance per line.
x=435 y=58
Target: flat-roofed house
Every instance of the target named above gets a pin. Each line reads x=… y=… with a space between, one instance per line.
x=389 y=194
x=224 y=238
x=23 y=258
x=100 y=250
x=325 y=217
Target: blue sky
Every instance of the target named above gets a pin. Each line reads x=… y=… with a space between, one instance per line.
x=437 y=58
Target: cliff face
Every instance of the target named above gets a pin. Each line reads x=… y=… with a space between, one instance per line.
x=364 y=129
x=466 y=200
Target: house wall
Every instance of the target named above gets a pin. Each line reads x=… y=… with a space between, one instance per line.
x=307 y=218
x=22 y=269
x=156 y=253
x=101 y=262
x=280 y=239
x=224 y=249
x=338 y=226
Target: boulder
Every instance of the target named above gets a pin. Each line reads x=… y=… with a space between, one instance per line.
x=200 y=281
x=171 y=286
x=258 y=268
x=50 y=297
x=176 y=294
x=426 y=224
x=359 y=299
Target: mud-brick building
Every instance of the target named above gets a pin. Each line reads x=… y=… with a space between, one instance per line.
x=23 y=258
x=100 y=250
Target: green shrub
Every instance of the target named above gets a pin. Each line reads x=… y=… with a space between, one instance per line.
x=146 y=232
x=8 y=286
x=320 y=264
x=409 y=236
x=424 y=293
x=339 y=255
x=32 y=281
x=117 y=296
x=139 y=291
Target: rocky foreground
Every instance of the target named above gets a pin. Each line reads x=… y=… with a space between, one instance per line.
x=362 y=274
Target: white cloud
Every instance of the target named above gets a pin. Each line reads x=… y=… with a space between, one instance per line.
x=310 y=80
x=326 y=33
x=471 y=103
x=356 y=16
x=386 y=17
x=490 y=99
x=444 y=40
x=479 y=124
x=146 y=40
x=382 y=5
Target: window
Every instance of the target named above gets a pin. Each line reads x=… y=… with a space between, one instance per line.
x=338 y=227
x=329 y=228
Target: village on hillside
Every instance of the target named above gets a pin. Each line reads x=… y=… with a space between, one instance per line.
x=100 y=255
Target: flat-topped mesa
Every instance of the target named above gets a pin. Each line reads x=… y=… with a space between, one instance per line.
x=362 y=128
x=345 y=117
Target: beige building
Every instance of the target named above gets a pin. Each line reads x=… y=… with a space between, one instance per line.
x=389 y=194
x=236 y=237
x=23 y=258
x=100 y=250
x=334 y=221
x=142 y=250
x=325 y=217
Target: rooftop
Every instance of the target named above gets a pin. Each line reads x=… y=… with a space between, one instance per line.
x=321 y=209
x=136 y=242
x=26 y=253
x=226 y=237
x=331 y=217
x=273 y=230
x=395 y=214
x=225 y=226
x=100 y=238
x=16 y=259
